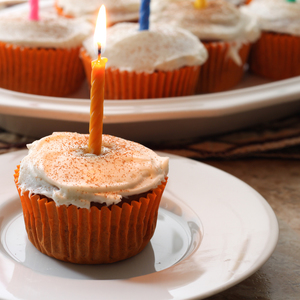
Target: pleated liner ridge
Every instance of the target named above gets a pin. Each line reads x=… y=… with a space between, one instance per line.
x=132 y=85
x=90 y=236
x=48 y=72
x=276 y=56
x=220 y=72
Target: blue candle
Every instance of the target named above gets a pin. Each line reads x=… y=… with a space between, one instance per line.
x=144 y=14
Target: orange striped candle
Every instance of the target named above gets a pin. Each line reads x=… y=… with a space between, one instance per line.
x=97 y=86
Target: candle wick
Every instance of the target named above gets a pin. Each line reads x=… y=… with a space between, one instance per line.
x=99 y=51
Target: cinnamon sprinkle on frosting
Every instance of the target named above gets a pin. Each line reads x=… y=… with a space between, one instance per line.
x=60 y=167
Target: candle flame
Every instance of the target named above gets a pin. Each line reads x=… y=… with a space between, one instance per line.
x=100 y=31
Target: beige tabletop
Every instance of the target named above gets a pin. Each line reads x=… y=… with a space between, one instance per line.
x=267 y=158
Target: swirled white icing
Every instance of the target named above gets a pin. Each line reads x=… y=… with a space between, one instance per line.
x=50 y=31
x=117 y=10
x=275 y=15
x=59 y=167
x=161 y=48
x=219 y=20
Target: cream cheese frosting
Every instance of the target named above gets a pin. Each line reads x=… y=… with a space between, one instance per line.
x=220 y=20
x=275 y=15
x=163 y=48
x=117 y=10
x=50 y=31
x=59 y=167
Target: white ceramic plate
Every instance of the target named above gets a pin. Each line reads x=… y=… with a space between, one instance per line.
x=253 y=101
x=213 y=232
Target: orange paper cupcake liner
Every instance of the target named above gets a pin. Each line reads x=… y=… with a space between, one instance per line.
x=48 y=72
x=276 y=56
x=132 y=85
x=90 y=236
x=220 y=72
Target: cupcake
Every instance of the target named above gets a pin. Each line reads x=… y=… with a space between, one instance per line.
x=90 y=209
x=117 y=10
x=225 y=31
x=161 y=62
x=41 y=57
x=276 y=54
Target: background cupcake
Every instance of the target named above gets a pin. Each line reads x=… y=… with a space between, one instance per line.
x=224 y=30
x=161 y=62
x=117 y=10
x=276 y=54
x=41 y=57
x=90 y=209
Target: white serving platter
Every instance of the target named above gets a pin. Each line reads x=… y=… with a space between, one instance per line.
x=154 y=120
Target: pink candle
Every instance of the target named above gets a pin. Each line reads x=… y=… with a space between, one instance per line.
x=34 y=10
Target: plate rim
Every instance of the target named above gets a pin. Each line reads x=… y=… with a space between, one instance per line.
x=141 y=110
x=273 y=238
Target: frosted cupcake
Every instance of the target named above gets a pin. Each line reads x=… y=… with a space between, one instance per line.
x=41 y=57
x=276 y=54
x=83 y=208
x=161 y=62
x=117 y=10
x=226 y=32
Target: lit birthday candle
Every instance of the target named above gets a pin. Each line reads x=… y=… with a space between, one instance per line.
x=34 y=10
x=200 y=4
x=97 y=86
x=144 y=15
